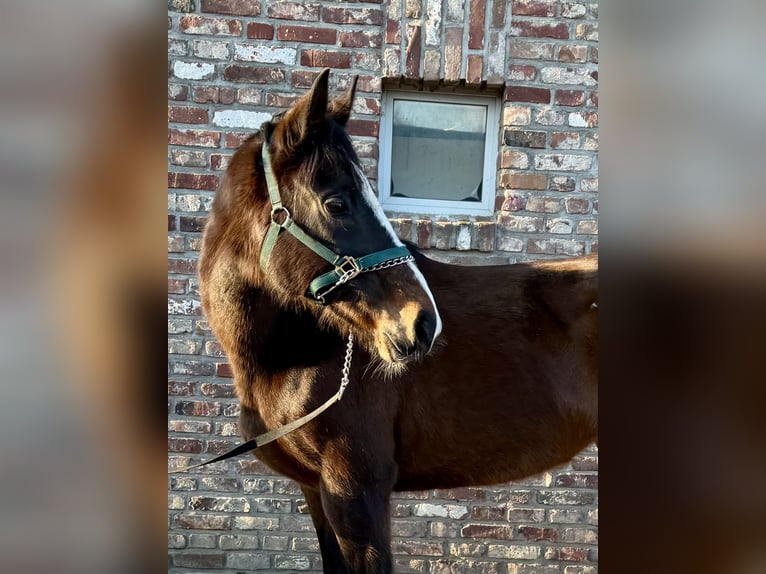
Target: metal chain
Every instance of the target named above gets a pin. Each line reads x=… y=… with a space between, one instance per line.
x=346 y=365
x=390 y=263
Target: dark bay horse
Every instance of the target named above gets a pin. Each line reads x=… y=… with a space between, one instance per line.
x=460 y=375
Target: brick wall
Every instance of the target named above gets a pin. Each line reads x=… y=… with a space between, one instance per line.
x=231 y=64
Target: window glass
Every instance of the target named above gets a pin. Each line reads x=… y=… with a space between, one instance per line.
x=437 y=150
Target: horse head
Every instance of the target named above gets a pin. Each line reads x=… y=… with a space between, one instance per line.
x=317 y=238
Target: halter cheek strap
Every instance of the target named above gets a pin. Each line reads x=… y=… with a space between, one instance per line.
x=345 y=266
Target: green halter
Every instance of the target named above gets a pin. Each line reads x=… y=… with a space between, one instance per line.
x=345 y=266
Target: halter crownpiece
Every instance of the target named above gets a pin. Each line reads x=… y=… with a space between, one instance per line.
x=345 y=266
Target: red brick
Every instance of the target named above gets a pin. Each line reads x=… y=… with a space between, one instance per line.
x=417 y=548
x=306 y=34
x=369 y=16
x=303 y=78
x=366 y=128
x=570 y=97
x=453 y=53
x=475 y=66
x=218 y=390
x=537 y=30
x=187 y=115
x=577 y=54
x=182 y=266
x=593 y=99
x=200 y=138
x=414 y=51
x=497 y=19
x=423 y=233
x=325 y=59
x=294 y=11
x=524 y=138
x=235 y=140
x=258 y=31
x=219 y=161
x=192 y=181
x=565 y=140
x=198 y=408
x=211 y=26
x=361 y=39
x=488 y=513
x=178 y=93
x=255 y=75
x=534 y=533
x=176 y=286
x=171 y=222
x=566 y=554
x=521 y=73
x=577 y=205
x=188 y=445
x=281 y=100
x=192 y=224
x=205 y=94
x=202 y=522
x=177 y=389
x=235 y=7
x=527 y=94
x=512 y=202
x=393 y=31
x=523 y=181
x=224 y=370
x=546 y=8
x=476 y=14
x=484 y=531
x=577 y=479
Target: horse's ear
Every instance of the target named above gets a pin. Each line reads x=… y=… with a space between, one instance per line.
x=309 y=111
x=340 y=108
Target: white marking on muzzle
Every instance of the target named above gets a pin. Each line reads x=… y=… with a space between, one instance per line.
x=372 y=202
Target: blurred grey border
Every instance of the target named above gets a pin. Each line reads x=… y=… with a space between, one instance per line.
x=681 y=161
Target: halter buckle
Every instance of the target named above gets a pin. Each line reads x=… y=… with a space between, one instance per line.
x=276 y=211
x=347 y=270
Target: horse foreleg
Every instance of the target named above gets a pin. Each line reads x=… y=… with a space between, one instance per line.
x=359 y=515
x=332 y=559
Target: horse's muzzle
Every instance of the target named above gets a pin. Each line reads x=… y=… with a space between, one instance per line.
x=409 y=348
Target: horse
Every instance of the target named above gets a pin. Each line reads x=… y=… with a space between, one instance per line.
x=456 y=375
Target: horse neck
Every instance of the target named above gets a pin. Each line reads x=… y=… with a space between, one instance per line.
x=263 y=338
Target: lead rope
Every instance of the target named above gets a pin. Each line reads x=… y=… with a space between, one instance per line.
x=278 y=433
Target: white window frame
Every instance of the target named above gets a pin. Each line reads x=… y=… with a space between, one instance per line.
x=439 y=206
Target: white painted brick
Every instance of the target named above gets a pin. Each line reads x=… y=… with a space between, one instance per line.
x=183 y=306
x=211 y=50
x=516 y=116
x=513 y=551
x=563 y=162
x=550 y=117
x=576 y=120
x=391 y=62
x=440 y=510
x=560 y=226
x=463 y=241
x=265 y=54
x=240 y=119
x=505 y=243
x=569 y=76
x=193 y=70
x=433 y=22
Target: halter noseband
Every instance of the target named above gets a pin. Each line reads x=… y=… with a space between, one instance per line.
x=345 y=266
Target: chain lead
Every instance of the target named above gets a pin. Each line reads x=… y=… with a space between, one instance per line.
x=346 y=365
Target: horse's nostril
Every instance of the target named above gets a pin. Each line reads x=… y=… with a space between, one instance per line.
x=425 y=328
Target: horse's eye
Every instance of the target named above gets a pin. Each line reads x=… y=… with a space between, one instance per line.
x=336 y=206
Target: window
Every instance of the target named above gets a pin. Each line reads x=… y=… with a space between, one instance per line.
x=438 y=153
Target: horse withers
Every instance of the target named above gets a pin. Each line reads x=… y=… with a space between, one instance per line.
x=460 y=376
